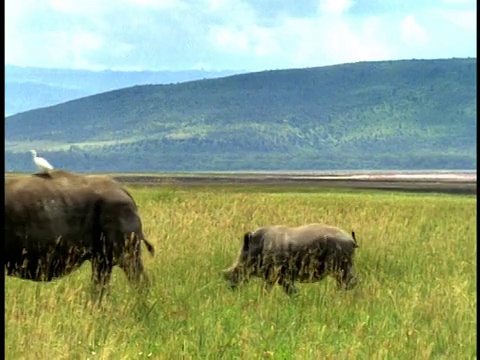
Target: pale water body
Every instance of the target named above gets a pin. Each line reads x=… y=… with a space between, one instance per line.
x=405 y=175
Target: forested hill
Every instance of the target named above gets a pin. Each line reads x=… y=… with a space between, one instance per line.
x=28 y=88
x=408 y=114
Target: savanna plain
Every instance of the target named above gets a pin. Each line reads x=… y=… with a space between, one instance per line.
x=416 y=296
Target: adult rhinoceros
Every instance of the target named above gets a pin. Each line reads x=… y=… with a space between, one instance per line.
x=54 y=222
x=283 y=255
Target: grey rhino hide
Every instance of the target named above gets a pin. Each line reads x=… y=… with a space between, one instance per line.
x=55 y=222
x=283 y=255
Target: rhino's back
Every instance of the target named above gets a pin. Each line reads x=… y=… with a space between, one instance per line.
x=315 y=230
x=280 y=237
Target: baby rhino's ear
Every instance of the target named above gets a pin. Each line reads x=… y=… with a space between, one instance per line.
x=354 y=239
x=247 y=239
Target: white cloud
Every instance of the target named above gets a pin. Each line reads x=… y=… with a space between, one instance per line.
x=241 y=34
x=412 y=32
x=463 y=19
x=86 y=41
x=214 y=5
x=229 y=13
x=326 y=40
x=334 y=6
x=459 y=2
x=254 y=40
x=265 y=42
x=158 y=4
x=75 y=7
x=230 y=39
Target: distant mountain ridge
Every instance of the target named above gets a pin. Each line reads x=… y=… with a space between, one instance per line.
x=406 y=114
x=28 y=88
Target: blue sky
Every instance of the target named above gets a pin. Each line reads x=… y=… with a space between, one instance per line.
x=250 y=35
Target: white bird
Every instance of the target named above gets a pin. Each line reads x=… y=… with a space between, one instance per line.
x=42 y=164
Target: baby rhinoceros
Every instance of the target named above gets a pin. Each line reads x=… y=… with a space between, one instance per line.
x=283 y=255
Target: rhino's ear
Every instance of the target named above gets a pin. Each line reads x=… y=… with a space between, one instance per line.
x=247 y=239
x=354 y=239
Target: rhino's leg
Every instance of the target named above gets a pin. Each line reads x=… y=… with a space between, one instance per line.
x=102 y=266
x=344 y=276
x=286 y=279
x=135 y=273
x=267 y=286
x=130 y=260
x=290 y=289
x=101 y=271
x=269 y=279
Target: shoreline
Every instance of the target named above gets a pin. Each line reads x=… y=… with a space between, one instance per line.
x=446 y=182
x=447 y=185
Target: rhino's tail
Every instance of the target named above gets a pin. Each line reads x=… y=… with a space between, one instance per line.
x=354 y=239
x=150 y=247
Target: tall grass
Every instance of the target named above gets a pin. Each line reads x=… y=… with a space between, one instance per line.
x=416 y=298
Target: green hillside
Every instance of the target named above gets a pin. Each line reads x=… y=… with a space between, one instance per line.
x=412 y=114
x=28 y=88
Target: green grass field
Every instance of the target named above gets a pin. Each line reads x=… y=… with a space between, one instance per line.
x=416 y=298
